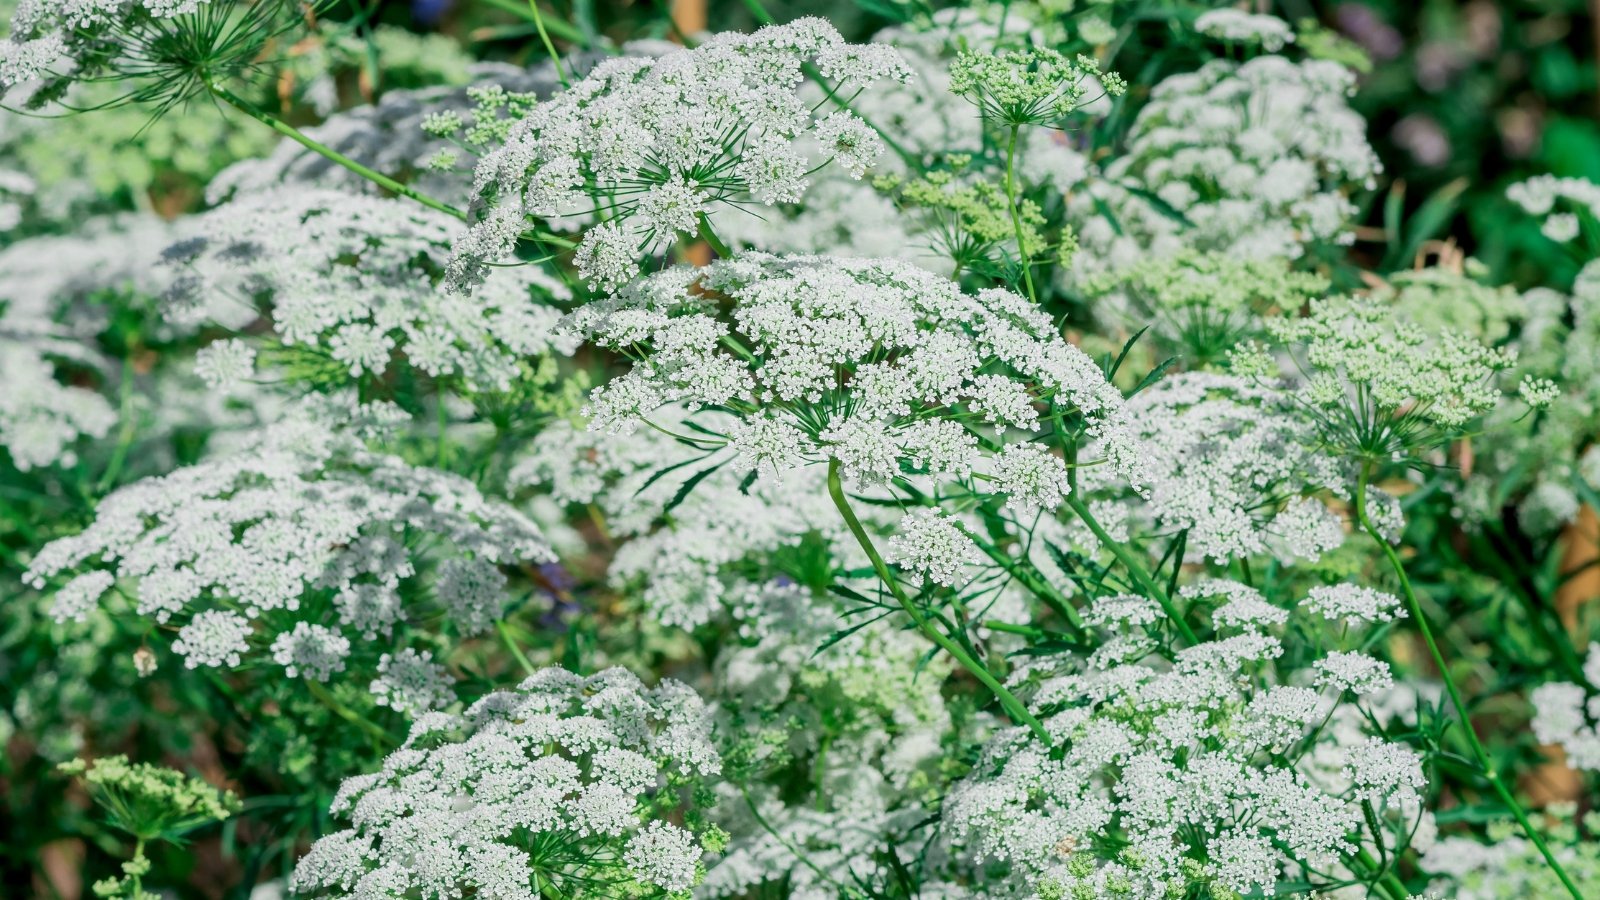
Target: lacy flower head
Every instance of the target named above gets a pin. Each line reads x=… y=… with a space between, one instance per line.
x=1175 y=777
x=1035 y=87
x=1569 y=714
x=1258 y=158
x=876 y=365
x=649 y=147
x=351 y=280
x=1377 y=386
x=1559 y=202
x=1510 y=865
x=1234 y=26
x=42 y=415
x=1230 y=463
x=304 y=546
x=566 y=787
x=155 y=51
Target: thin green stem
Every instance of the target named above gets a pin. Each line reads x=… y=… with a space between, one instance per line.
x=1479 y=753
x=1008 y=701
x=1016 y=215
x=332 y=155
x=1136 y=569
x=119 y=455
x=550 y=48
x=345 y=712
x=801 y=855
x=443 y=453
x=516 y=651
x=1389 y=884
x=709 y=235
x=138 y=876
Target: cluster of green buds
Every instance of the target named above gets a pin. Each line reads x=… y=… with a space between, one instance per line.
x=1038 y=86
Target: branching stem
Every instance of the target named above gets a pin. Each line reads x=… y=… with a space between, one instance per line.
x=1008 y=701
x=1478 y=752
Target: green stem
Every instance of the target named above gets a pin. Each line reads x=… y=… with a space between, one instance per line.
x=1046 y=592
x=1016 y=215
x=1389 y=883
x=1008 y=701
x=710 y=237
x=550 y=48
x=119 y=456
x=516 y=651
x=1135 y=568
x=345 y=712
x=138 y=880
x=332 y=155
x=563 y=30
x=1478 y=751
x=802 y=856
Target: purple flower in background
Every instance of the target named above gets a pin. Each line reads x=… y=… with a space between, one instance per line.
x=429 y=12
x=1374 y=35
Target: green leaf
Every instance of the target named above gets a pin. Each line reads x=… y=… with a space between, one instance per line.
x=683 y=492
x=1126 y=349
x=1154 y=375
x=657 y=476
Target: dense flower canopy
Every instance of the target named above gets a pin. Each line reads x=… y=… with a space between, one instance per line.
x=539 y=451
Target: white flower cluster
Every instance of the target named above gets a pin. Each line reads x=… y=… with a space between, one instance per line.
x=1235 y=26
x=649 y=146
x=1257 y=157
x=1377 y=384
x=1539 y=195
x=354 y=278
x=845 y=216
x=1228 y=462
x=563 y=786
x=42 y=419
x=51 y=35
x=47 y=334
x=302 y=542
x=875 y=364
x=1187 y=760
x=1566 y=714
x=1509 y=865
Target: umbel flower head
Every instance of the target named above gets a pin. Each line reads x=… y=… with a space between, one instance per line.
x=1230 y=463
x=1258 y=158
x=149 y=802
x=41 y=418
x=1174 y=777
x=304 y=544
x=353 y=279
x=567 y=786
x=649 y=146
x=1377 y=386
x=1566 y=713
x=154 y=51
x=1038 y=86
x=876 y=364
